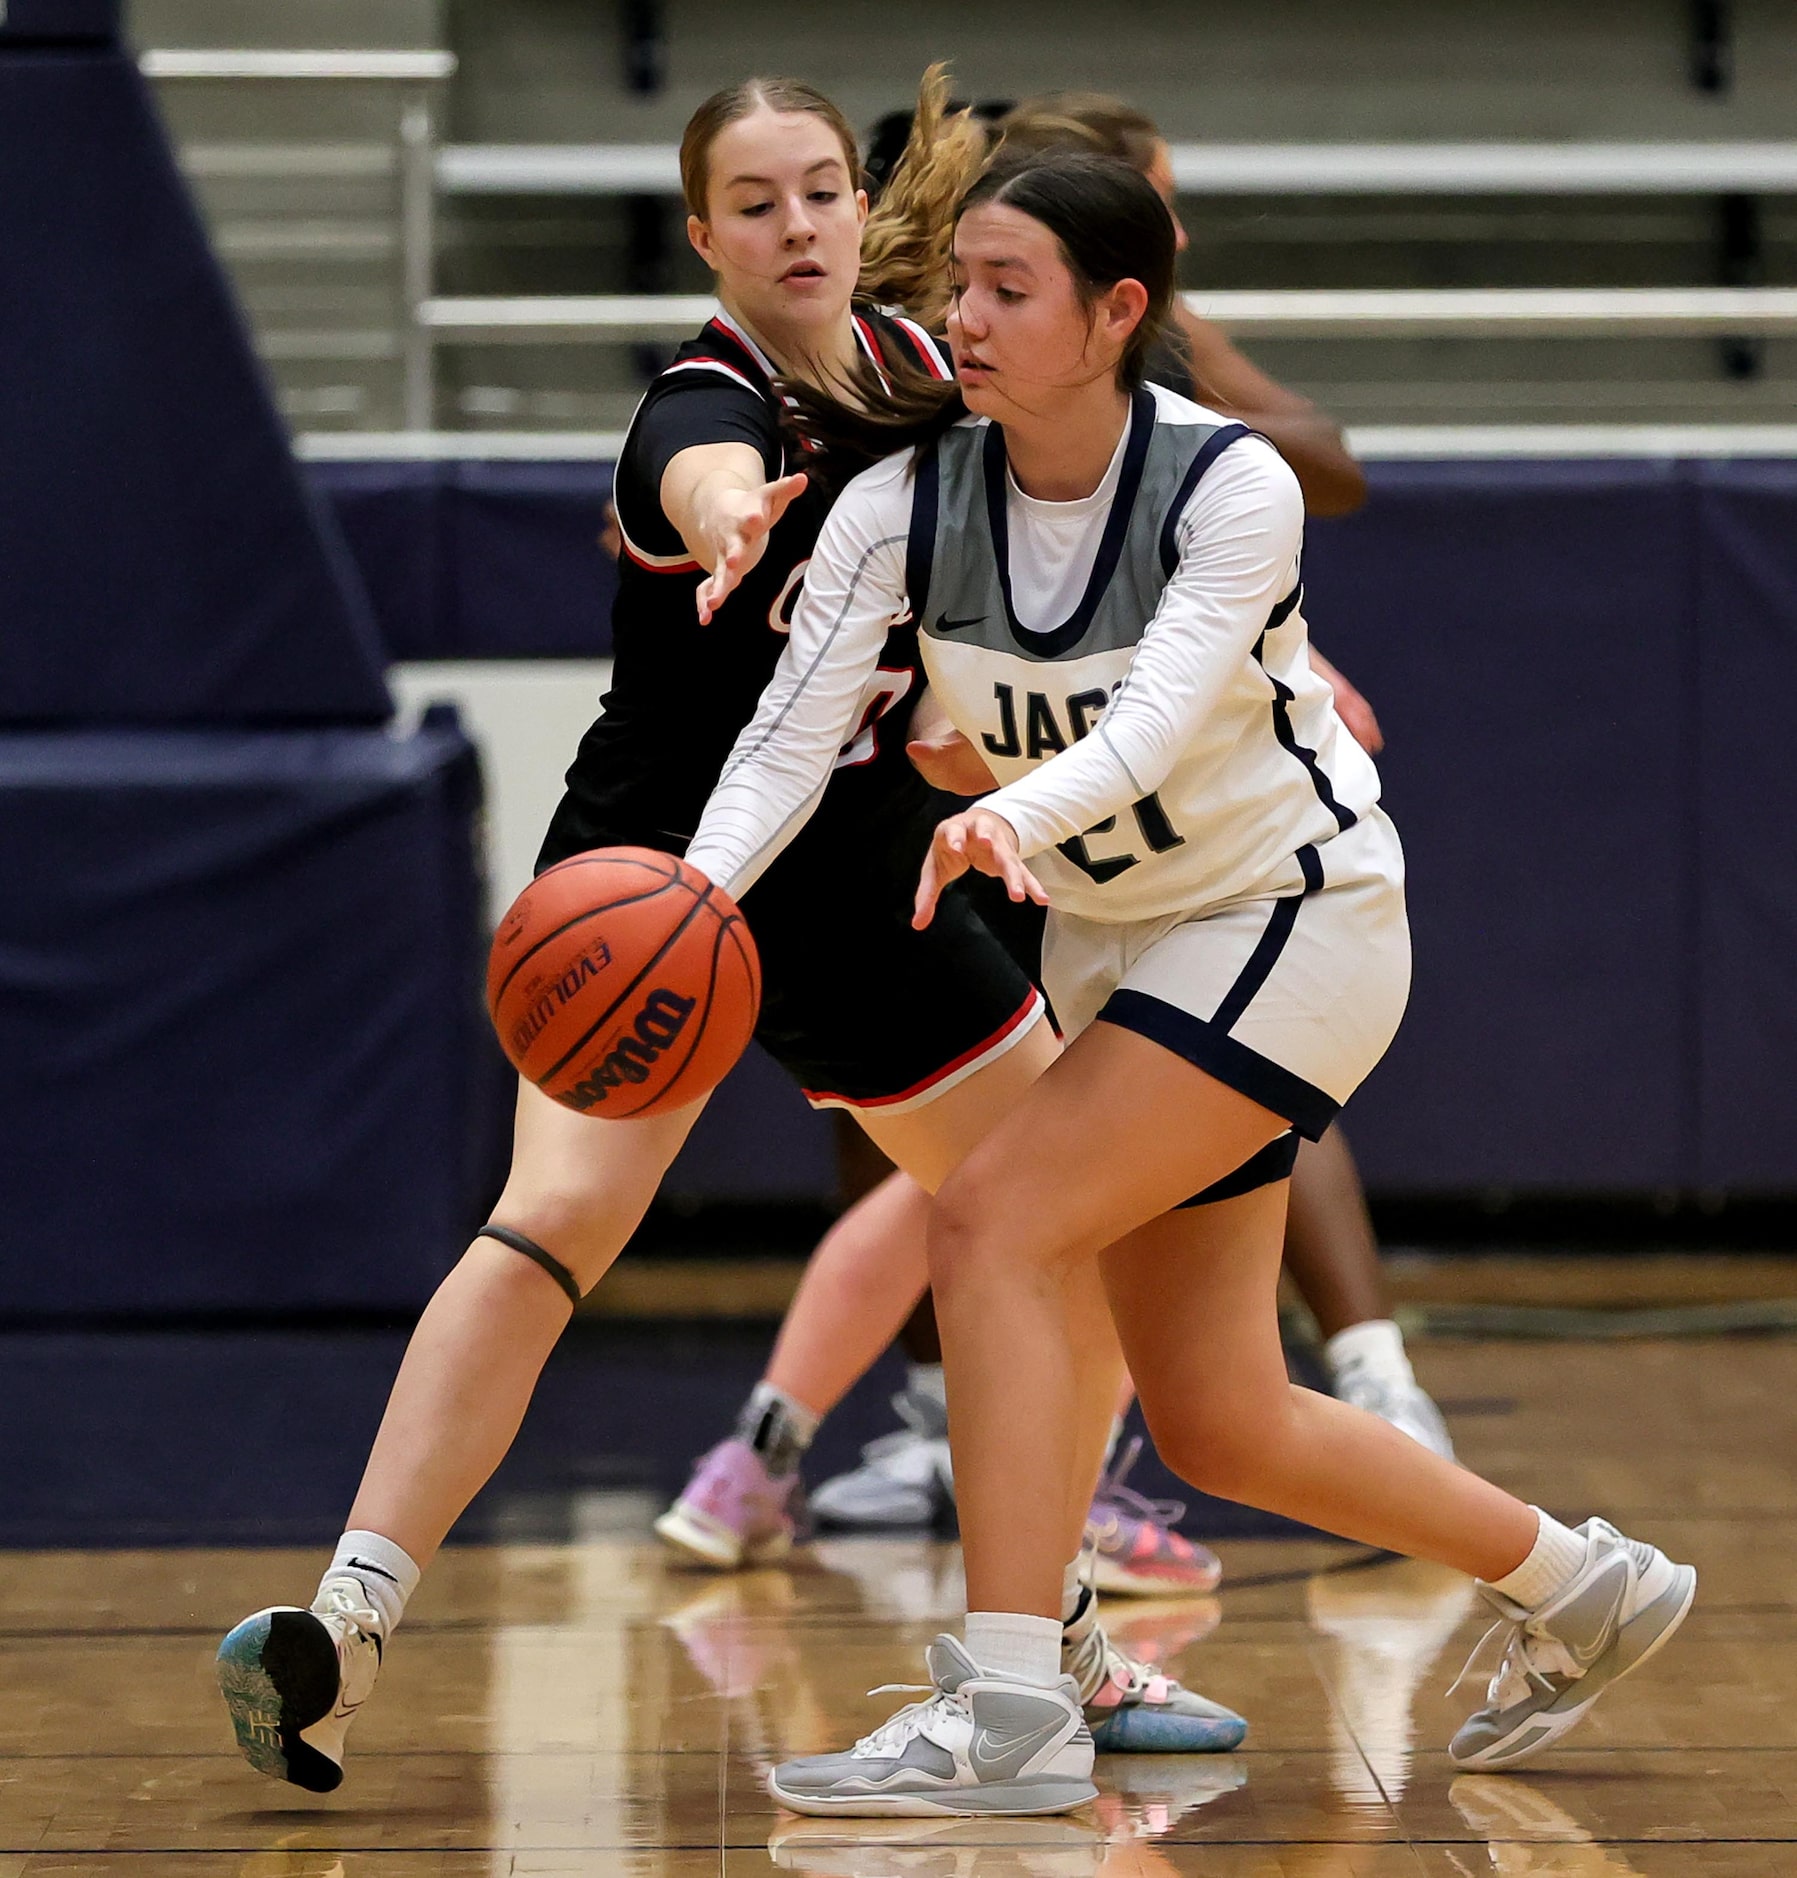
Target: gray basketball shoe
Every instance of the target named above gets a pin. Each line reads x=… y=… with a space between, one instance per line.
x=1622 y=1604
x=979 y=1744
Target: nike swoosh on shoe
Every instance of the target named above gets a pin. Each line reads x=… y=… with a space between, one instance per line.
x=1016 y=1753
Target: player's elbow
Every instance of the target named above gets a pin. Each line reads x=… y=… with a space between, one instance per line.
x=1333 y=483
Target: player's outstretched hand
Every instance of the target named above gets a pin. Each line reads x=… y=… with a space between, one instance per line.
x=1353 y=710
x=978 y=839
x=737 y=526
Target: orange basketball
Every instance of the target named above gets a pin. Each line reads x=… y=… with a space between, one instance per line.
x=622 y=982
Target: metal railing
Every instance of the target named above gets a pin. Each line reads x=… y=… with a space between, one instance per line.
x=418 y=73
x=1217 y=169
x=1408 y=312
x=1526 y=169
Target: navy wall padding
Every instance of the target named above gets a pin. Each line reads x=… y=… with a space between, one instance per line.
x=1582 y=668
x=59 y=22
x=1522 y=631
x=1746 y=836
x=470 y=560
x=162 y=559
x=758 y=1139
x=243 y=1058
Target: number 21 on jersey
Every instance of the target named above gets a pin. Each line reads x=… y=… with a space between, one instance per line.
x=1042 y=736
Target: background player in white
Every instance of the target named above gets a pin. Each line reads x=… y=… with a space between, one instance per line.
x=1227 y=949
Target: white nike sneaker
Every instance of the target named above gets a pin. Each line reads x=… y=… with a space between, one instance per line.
x=905 y=1479
x=1396 y=1398
x=979 y=1744
x=294 y=1680
x=1621 y=1606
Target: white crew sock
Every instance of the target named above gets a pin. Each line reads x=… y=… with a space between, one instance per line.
x=1073 y=1588
x=1558 y=1553
x=381 y=1568
x=1377 y=1345
x=928 y=1379
x=1009 y=1643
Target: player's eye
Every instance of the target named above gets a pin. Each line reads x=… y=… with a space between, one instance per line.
x=755 y=208
x=1008 y=296
x=825 y=195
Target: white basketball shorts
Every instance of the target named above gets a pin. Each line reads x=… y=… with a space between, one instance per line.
x=1289 y=997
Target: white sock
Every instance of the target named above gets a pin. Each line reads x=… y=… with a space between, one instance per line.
x=381 y=1568
x=1378 y=1345
x=1009 y=1643
x=1073 y=1588
x=928 y=1379
x=1556 y=1555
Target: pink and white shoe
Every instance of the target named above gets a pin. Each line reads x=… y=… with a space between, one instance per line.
x=1136 y=1552
x=733 y=1512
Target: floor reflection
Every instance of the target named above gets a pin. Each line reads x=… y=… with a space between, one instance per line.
x=1383 y=1627
x=1528 y=1833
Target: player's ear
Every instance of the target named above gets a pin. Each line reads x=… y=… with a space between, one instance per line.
x=861 y=207
x=1128 y=306
x=699 y=234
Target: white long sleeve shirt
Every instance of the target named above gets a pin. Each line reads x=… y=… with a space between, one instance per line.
x=1201 y=757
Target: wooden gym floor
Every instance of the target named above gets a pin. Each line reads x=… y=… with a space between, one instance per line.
x=592 y=1709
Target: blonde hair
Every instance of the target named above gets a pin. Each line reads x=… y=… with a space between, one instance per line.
x=906 y=244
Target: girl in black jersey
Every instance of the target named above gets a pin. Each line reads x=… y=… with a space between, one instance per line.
x=928 y=1036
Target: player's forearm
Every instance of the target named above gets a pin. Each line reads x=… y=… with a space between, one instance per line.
x=699 y=489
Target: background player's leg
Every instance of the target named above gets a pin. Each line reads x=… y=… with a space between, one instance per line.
x=1333 y=1257
x=1330 y=1249
x=861 y=1283
x=577 y=1187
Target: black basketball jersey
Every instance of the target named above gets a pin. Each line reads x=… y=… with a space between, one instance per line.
x=681 y=692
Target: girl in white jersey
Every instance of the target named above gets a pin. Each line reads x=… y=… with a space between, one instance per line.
x=1106 y=580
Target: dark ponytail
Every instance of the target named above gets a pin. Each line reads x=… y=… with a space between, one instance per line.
x=1111 y=225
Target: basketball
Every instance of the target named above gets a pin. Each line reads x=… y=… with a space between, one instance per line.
x=623 y=983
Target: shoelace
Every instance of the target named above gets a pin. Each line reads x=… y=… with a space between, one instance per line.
x=1526 y=1658
x=1111 y=1487
x=338 y=1599
x=891 y=1736
x=1130 y=1675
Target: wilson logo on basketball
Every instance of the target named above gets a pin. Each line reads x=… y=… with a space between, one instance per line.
x=662 y=1019
x=556 y=994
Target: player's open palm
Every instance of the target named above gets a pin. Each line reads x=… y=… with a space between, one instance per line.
x=737 y=528
x=983 y=841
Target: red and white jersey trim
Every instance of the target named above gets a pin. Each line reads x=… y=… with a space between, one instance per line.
x=1011 y=1033
x=932 y=353
x=715 y=365
x=736 y=332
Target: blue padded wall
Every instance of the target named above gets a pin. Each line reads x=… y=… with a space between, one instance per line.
x=1523 y=631
x=244 y=1063
x=1745 y=949
x=164 y=559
